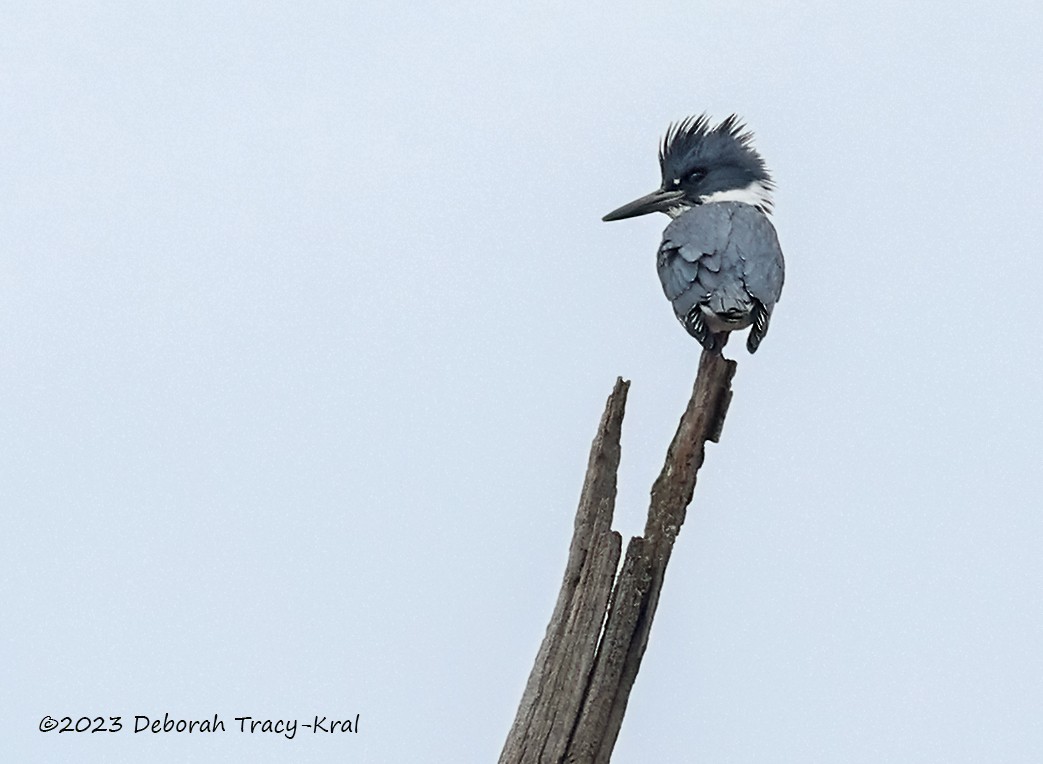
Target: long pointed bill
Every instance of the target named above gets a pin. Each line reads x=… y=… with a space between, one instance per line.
x=657 y=201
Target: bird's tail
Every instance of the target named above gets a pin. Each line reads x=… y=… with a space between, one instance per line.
x=695 y=324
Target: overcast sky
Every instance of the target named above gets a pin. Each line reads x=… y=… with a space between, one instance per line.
x=307 y=317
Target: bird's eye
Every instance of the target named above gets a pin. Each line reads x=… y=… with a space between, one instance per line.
x=695 y=175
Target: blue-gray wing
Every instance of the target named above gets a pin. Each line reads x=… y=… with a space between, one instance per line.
x=722 y=268
x=757 y=244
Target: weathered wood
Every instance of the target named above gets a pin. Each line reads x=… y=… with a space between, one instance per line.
x=577 y=693
x=672 y=492
x=600 y=701
x=542 y=724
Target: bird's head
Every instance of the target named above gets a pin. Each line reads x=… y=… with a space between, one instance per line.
x=702 y=163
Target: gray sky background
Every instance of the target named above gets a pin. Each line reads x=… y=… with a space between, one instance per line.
x=308 y=316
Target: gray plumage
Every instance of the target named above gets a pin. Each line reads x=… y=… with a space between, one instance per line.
x=721 y=267
x=720 y=262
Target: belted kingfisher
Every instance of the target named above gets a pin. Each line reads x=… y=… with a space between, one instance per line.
x=720 y=262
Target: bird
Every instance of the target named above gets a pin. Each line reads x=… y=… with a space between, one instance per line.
x=720 y=262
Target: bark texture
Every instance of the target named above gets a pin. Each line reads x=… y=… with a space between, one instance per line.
x=574 y=701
